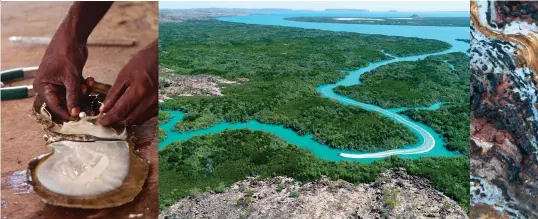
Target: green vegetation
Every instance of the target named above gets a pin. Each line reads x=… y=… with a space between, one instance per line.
x=224 y=158
x=164 y=117
x=414 y=83
x=162 y=134
x=194 y=191
x=294 y=194
x=245 y=200
x=279 y=188
x=452 y=121
x=196 y=120
x=340 y=126
x=425 y=21
x=391 y=197
x=283 y=66
x=221 y=187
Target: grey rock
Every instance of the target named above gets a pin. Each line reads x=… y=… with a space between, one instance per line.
x=393 y=194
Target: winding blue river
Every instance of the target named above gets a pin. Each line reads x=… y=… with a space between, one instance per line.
x=430 y=143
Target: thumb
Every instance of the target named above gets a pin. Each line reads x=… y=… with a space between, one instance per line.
x=73 y=94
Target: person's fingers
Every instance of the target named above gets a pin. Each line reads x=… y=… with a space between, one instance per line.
x=51 y=95
x=84 y=89
x=152 y=112
x=113 y=96
x=123 y=107
x=109 y=119
x=90 y=81
x=142 y=114
x=73 y=94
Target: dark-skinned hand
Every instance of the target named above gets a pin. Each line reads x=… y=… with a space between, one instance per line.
x=59 y=82
x=133 y=98
x=59 y=78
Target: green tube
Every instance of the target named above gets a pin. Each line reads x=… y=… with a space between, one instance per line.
x=12 y=93
x=11 y=74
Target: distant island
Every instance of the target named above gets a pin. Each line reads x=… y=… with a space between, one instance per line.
x=346 y=10
x=413 y=20
x=392 y=11
x=415 y=16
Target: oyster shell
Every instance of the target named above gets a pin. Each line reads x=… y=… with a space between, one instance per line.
x=81 y=130
x=84 y=168
x=90 y=166
x=86 y=126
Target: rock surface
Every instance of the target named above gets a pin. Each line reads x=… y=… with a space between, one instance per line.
x=190 y=85
x=394 y=194
x=504 y=165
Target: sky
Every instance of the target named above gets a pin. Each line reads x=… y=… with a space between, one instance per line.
x=322 y=5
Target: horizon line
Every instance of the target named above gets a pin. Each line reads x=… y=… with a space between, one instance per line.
x=317 y=10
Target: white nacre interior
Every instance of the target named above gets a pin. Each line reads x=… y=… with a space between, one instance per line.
x=85 y=168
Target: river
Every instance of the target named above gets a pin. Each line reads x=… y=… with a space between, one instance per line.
x=429 y=143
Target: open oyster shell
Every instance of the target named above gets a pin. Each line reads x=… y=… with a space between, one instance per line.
x=84 y=170
x=53 y=129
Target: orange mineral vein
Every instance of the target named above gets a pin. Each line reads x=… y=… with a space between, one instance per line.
x=527 y=55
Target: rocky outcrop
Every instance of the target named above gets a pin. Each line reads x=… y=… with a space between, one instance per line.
x=190 y=85
x=394 y=194
x=504 y=165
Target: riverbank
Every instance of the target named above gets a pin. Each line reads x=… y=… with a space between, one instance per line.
x=283 y=88
x=215 y=161
x=283 y=75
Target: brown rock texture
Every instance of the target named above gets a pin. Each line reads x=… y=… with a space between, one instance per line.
x=504 y=164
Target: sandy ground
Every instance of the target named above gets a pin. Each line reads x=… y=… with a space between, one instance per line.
x=22 y=137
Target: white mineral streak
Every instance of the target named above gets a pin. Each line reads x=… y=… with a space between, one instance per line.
x=483 y=51
x=85 y=168
x=482 y=9
x=525 y=88
x=489 y=194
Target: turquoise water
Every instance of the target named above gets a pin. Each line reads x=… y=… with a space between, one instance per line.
x=290 y=136
x=447 y=34
x=430 y=143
